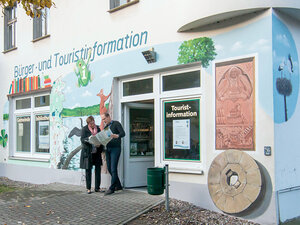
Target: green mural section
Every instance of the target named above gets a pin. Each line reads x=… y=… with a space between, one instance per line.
x=199 y=49
x=81 y=111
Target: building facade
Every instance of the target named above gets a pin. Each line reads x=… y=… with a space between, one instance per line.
x=209 y=88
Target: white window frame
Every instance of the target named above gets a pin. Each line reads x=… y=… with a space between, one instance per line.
x=120 y=4
x=159 y=96
x=10 y=39
x=41 y=24
x=32 y=111
x=183 y=166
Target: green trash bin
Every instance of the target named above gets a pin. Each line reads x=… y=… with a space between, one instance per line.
x=155 y=181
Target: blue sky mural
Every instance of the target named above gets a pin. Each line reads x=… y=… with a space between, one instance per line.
x=285 y=72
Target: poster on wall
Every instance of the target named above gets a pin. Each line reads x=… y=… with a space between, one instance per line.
x=44 y=135
x=182 y=130
x=181 y=134
x=235 y=104
x=21 y=128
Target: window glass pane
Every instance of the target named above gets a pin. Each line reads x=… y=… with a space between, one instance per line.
x=23 y=103
x=42 y=133
x=182 y=130
x=141 y=132
x=138 y=87
x=41 y=101
x=23 y=134
x=181 y=81
x=122 y=2
x=10 y=36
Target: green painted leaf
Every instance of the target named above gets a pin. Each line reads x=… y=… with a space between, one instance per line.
x=2 y=132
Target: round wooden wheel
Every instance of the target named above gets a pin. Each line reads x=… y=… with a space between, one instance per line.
x=234 y=181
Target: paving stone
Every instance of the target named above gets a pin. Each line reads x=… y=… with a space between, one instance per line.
x=69 y=204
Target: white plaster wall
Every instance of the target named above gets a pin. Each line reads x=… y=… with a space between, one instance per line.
x=39 y=175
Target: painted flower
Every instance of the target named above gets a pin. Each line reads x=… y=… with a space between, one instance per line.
x=3 y=138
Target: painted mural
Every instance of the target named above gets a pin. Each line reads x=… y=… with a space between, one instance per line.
x=199 y=49
x=82 y=98
x=82 y=71
x=57 y=129
x=235 y=82
x=4 y=131
x=285 y=72
x=87 y=90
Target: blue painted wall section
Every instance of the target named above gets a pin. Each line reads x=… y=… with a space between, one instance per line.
x=286 y=134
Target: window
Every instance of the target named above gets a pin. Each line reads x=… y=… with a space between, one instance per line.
x=121 y=3
x=41 y=24
x=182 y=130
x=138 y=87
x=181 y=81
x=182 y=120
x=31 y=123
x=10 y=20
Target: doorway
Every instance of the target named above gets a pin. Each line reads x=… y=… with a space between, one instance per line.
x=138 y=142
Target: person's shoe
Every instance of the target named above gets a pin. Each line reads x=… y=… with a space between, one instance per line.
x=100 y=190
x=118 y=189
x=89 y=192
x=109 y=192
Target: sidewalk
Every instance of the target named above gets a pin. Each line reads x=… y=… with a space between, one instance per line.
x=69 y=204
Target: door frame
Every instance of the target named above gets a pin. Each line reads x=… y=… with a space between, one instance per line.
x=127 y=160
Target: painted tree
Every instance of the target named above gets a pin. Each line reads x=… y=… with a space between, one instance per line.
x=199 y=49
x=32 y=7
x=283 y=84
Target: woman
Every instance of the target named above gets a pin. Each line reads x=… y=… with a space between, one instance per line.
x=90 y=155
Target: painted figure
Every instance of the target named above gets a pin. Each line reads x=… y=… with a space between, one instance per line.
x=83 y=73
x=102 y=108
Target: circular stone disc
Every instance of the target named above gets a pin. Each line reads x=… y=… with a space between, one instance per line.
x=234 y=181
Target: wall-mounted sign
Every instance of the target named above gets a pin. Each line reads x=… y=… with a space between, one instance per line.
x=182 y=129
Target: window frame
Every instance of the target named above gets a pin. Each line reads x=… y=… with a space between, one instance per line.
x=115 y=5
x=32 y=112
x=137 y=96
x=184 y=166
x=10 y=42
x=40 y=25
x=159 y=97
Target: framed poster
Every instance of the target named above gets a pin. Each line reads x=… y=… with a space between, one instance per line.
x=181 y=134
x=235 y=104
x=182 y=130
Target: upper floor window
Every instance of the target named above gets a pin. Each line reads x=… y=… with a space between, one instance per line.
x=41 y=24
x=10 y=20
x=118 y=3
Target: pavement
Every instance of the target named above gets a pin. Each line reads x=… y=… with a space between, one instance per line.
x=58 y=203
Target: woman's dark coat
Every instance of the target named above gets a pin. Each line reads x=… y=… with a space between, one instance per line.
x=87 y=158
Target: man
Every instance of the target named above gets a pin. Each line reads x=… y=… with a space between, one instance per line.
x=113 y=152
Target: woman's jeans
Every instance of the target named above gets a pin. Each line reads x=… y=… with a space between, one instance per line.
x=112 y=159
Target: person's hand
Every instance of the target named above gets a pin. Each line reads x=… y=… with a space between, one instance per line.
x=114 y=135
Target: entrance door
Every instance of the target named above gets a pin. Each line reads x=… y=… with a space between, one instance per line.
x=138 y=142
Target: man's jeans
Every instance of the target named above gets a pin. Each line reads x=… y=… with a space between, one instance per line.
x=112 y=159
